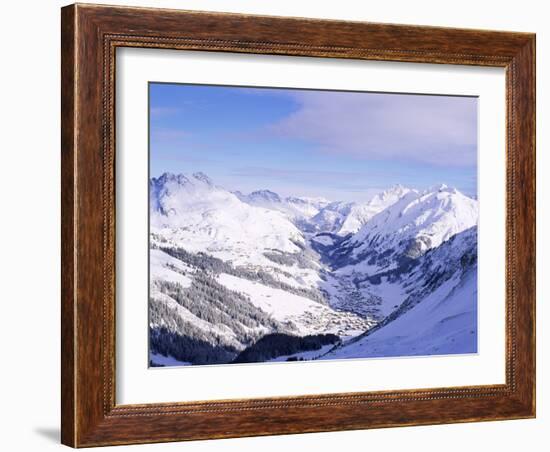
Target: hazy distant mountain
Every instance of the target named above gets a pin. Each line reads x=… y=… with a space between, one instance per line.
x=296 y=208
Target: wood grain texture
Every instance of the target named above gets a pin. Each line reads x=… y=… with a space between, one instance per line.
x=90 y=36
x=68 y=244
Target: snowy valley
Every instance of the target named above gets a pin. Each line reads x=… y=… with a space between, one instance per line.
x=259 y=277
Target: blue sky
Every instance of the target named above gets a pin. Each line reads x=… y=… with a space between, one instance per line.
x=340 y=145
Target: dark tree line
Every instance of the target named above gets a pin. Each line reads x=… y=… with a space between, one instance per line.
x=186 y=348
x=208 y=300
x=214 y=303
x=171 y=335
x=278 y=344
x=305 y=258
x=212 y=265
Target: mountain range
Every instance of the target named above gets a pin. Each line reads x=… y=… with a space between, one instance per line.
x=256 y=277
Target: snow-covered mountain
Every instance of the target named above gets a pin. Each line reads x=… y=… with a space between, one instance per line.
x=343 y=218
x=445 y=323
x=360 y=213
x=298 y=209
x=191 y=210
x=435 y=311
x=416 y=223
x=229 y=269
x=225 y=273
x=318 y=215
x=331 y=217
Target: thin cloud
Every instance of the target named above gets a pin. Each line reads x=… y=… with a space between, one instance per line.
x=290 y=174
x=334 y=180
x=438 y=130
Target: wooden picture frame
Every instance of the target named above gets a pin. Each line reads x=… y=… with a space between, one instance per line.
x=90 y=36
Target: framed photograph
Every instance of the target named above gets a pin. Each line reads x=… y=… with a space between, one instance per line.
x=282 y=225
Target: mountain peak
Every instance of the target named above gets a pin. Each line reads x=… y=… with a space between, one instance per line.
x=200 y=176
x=183 y=179
x=441 y=188
x=396 y=190
x=424 y=220
x=167 y=177
x=264 y=195
x=396 y=187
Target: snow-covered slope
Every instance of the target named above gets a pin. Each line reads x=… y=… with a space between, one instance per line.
x=308 y=316
x=225 y=273
x=228 y=269
x=378 y=292
x=318 y=215
x=191 y=210
x=345 y=218
x=297 y=209
x=163 y=267
x=444 y=322
x=408 y=228
x=360 y=213
x=176 y=313
x=435 y=311
x=331 y=217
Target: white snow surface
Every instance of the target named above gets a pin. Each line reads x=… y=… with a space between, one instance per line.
x=443 y=323
x=331 y=217
x=309 y=316
x=368 y=240
x=191 y=210
x=162 y=360
x=429 y=218
x=360 y=213
x=160 y=263
x=294 y=207
x=323 y=240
